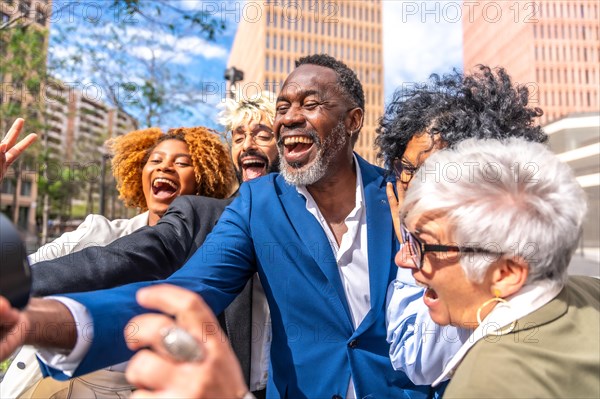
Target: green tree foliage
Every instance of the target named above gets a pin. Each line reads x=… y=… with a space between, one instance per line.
x=23 y=75
x=126 y=52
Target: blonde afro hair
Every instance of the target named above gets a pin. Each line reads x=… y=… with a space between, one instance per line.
x=211 y=161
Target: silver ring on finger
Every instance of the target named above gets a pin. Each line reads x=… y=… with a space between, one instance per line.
x=181 y=345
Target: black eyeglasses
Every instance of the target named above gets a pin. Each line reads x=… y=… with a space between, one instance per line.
x=418 y=248
x=403 y=170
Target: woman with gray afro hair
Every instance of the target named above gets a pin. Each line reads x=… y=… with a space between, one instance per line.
x=446 y=110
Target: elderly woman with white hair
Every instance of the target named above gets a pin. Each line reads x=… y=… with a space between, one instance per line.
x=489 y=230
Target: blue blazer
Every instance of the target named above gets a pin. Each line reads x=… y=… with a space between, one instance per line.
x=315 y=347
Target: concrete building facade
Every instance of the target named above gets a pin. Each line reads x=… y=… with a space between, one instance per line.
x=78 y=124
x=576 y=141
x=552 y=46
x=275 y=34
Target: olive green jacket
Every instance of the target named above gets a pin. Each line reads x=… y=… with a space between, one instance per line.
x=553 y=352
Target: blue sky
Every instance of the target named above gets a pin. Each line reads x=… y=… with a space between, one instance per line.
x=419 y=38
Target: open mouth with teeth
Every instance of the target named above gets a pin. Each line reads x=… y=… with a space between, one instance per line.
x=253 y=167
x=430 y=297
x=164 y=188
x=297 y=148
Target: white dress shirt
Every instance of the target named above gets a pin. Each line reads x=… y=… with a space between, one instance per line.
x=351 y=255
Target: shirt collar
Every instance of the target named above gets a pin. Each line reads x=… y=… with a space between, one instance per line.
x=529 y=299
x=360 y=195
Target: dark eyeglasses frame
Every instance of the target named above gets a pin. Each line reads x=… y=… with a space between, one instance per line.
x=399 y=169
x=417 y=247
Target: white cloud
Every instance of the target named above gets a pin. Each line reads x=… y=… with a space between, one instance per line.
x=167 y=47
x=420 y=38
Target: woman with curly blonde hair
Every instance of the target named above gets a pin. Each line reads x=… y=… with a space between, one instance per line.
x=151 y=169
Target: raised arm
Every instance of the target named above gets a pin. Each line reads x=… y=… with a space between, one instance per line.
x=9 y=151
x=151 y=253
x=218 y=271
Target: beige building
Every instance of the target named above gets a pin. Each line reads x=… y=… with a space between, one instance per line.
x=272 y=35
x=78 y=124
x=549 y=45
x=552 y=46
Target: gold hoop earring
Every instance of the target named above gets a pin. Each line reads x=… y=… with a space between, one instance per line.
x=503 y=302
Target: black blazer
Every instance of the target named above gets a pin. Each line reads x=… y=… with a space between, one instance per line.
x=151 y=253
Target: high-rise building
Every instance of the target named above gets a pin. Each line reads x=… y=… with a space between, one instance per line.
x=78 y=124
x=549 y=45
x=272 y=35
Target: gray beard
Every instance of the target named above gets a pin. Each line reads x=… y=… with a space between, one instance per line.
x=326 y=152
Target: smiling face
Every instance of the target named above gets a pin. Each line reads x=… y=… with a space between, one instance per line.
x=449 y=295
x=311 y=125
x=254 y=150
x=167 y=174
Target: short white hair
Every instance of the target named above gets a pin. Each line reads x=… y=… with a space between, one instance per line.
x=512 y=196
x=236 y=113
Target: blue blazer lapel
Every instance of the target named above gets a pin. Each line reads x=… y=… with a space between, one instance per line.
x=379 y=237
x=313 y=237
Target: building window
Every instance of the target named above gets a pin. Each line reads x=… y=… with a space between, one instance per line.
x=589 y=99
x=40 y=17
x=8 y=186
x=25 y=7
x=26 y=188
x=23 y=217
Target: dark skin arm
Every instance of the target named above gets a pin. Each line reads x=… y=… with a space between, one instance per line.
x=44 y=323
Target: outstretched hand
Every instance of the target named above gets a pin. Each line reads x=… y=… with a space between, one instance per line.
x=10 y=149
x=158 y=375
x=395 y=205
